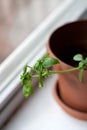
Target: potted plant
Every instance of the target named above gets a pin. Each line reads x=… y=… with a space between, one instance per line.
x=67 y=47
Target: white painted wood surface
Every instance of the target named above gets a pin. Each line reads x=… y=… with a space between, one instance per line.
x=41 y=112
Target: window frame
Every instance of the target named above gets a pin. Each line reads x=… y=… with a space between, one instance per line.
x=12 y=92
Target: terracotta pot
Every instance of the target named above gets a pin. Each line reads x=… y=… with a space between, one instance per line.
x=64 y=43
x=67 y=108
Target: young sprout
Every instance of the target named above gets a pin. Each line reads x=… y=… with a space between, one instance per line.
x=41 y=70
x=82 y=64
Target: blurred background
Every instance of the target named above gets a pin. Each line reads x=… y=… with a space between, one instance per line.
x=18 y=18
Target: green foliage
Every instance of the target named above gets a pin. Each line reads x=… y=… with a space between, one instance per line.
x=82 y=64
x=48 y=62
x=41 y=70
x=26 y=82
x=78 y=57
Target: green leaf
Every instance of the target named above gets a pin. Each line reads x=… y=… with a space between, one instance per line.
x=86 y=61
x=46 y=73
x=25 y=69
x=23 y=75
x=86 y=58
x=27 y=88
x=38 y=66
x=48 y=62
x=81 y=64
x=78 y=57
x=46 y=56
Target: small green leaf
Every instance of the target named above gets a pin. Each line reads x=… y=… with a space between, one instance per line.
x=86 y=61
x=23 y=75
x=86 y=58
x=46 y=55
x=81 y=64
x=38 y=66
x=27 y=88
x=46 y=73
x=48 y=62
x=25 y=69
x=78 y=57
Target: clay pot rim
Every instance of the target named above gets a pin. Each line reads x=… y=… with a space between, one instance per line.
x=62 y=26
x=75 y=113
x=67 y=24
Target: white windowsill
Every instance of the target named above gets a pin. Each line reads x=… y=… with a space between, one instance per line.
x=41 y=112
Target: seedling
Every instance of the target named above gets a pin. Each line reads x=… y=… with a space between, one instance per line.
x=41 y=70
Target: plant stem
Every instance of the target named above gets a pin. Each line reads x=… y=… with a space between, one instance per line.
x=63 y=71
x=30 y=67
x=58 y=72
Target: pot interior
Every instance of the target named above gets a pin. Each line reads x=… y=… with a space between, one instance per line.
x=69 y=40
